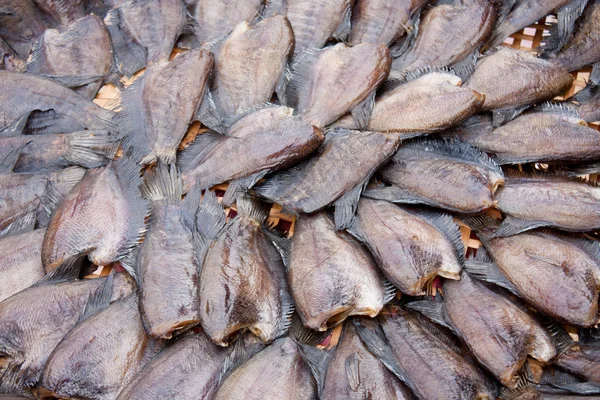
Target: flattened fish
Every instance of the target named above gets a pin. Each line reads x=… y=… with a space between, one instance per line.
x=243 y=282
x=382 y=21
x=556 y=274
x=589 y=100
x=458 y=177
x=79 y=57
x=244 y=77
x=499 y=334
x=263 y=141
x=531 y=200
x=582 y=358
x=410 y=247
x=61 y=13
x=426 y=357
x=158 y=107
x=101 y=217
x=332 y=276
x=47 y=106
x=199 y=363
x=337 y=173
x=328 y=83
x=167 y=261
x=99 y=358
x=355 y=373
x=51 y=152
x=427 y=104
x=20 y=25
x=20 y=261
x=216 y=18
x=144 y=32
x=448 y=34
x=277 y=372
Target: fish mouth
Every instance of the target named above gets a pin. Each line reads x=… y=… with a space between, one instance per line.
x=175 y=328
x=336 y=317
x=497 y=184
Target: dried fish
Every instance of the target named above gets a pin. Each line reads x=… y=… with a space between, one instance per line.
x=9 y=59
x=581 y=358
x=589 y=100
x=20 y=25
x=216 y=18
x=60 y=13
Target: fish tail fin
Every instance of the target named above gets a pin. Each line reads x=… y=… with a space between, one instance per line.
x=343 y=29
x=55 y=192
x=244 y=348
x=92 y=148
x=163 y=184
x=130 y=55
x=345 y=206
x=100 y=299
x=560 y=32
x=16 y=128
x=70 y=269
x=7 y=163
x=281 y=243
x=317 y=360
x=210 y=220
x=20 y=224
x=101 y=119
x=434 y=310
x=482 y=267
x=562 y=340
x=253 y=208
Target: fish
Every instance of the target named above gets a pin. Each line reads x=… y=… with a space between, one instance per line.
x=582 y=357
x=331 y=275
x=244 y=78
x=80 y=57
x=556 y=274
x=242 y=281
x=263 y=141
x=172 y=89
x=589 y=102
x=134 y=26
x=383 y=21
x=425 y=356
x=335 y=175
x=277 y=372
x=48 y=107
x=101 y=355
x=199 y=364
x=102 y=217
x=167 y=263
x=548 y=133
x=35 y=320
x=449 y=35
x=534 y=199
x=27 y=199
x=410 y=246
x=512 y=79
x=9 y=59
x=427 y=103
x=20 y=261
x=20 y=25
x=61 y=14
x=326 y=84
x=451 y=175
x=499 y=333
x=355 y=373
x=52 y=152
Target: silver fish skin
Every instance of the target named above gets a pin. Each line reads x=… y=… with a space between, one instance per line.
x=277 y=372
x=217 y=18
x=80 y=57
x=20 y=262
x=61 y=14
x=244 y=78
x=409 y=248
x=532 y=79
x=158 y=107
x=355 y=374
x=428 y=104
x=331 y=275
x=20 y=25
x=100 y=357
x=196 y=376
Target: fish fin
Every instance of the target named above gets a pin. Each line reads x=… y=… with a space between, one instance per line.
x=239 y=354
x=7 y=163
x=281 y=243
x=481 y=267
x=400 y=47
x=582 y=388
x=395 y=194
x=74 y=81
x=480 y=223
x=52 y=196
x=132 y=120
x=210 y=219
x=21 y=224
x=434 y=310
x=524 y=384
x=445 y=223
x=163 y=184
x=345 y=206
x=300 y=71
x=208 y=114
x=389 y=291
x=352 y=368
x=35 y=60
x=16 y=128
x=317 y=360
x=561 y=339
x=590 y=90
x=270 y=188
x=240 y=186
x=274 y=7
x=99 y=300
x=501 y=117
x=195 y=153
x=130 y=55
x=419 y=72
x=68 y=270
x=253 y=208
x=595 y=75
x=560 y=32
x=283 y=82
x=465 y=67
x=362 y=112
x=130 y=264
x=301 y=334
x=560 y=108
x=343 y=30
x=92 y=149
x=190 y=204
x=287 y=303
x=511 y=226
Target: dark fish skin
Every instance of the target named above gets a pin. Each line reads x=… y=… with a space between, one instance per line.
x=331 y=275
x=159 y=107
x=60 y=13
x=408 y=248
x=277 y=372
x=32 y=323
x=583 y=48
x=434 y=367
x=511 y=78
x=79 y=54
x=345 y=160
x=589 y=100
x=99 y=358
x=216 y=18
x=582 y=359
x=24 y=93
x=499 y=334
x=428 y=104
x=355 y=373
x=20 y=262
x=266 y=140
x=447 y=34
x=9 y=60
x=198 y=364
x=20 y=25
x=245 y=78
x=381 y=21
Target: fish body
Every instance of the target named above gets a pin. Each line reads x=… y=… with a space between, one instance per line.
x=589 y=99
x=582 y=359
x=217 y=18
x=20 y=25
x=61 y=14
